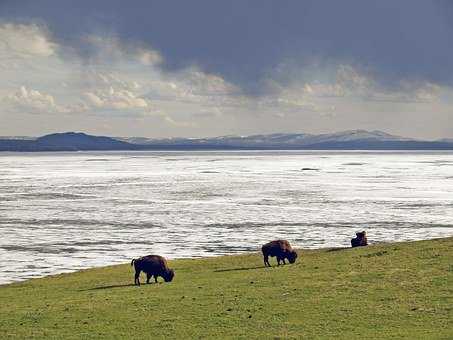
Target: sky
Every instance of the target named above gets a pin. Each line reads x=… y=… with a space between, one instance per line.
x=206 y=68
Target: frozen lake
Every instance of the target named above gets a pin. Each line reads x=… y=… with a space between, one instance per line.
x=61 y=212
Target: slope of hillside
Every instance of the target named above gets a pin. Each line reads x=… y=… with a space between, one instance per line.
x=387 y=291
x=68 y=141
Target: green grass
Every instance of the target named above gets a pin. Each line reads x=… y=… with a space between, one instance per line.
x=402 y=290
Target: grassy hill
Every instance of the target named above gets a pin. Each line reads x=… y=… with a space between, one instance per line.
x=402 y=290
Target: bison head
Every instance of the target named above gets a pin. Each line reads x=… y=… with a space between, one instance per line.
x=361 y=235
x=168 y=276
x=292 y=256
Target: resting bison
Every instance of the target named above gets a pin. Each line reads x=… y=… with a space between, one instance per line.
x=152 y=265
x=360 y=240
x=281 y=249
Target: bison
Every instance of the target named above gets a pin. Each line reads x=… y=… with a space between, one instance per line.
x=360 y=240
x=279 y=248
x=152 y=265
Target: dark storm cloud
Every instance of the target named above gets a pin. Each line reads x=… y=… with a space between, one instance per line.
x=244 y=41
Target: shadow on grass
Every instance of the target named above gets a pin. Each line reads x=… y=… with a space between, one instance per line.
x=235 y=269
x=110 y=287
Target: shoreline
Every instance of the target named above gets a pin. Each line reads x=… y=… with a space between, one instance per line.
x=245 y=253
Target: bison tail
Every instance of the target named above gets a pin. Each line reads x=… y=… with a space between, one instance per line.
x=132 y=262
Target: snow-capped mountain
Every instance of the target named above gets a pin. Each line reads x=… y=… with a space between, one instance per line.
x=276 y=139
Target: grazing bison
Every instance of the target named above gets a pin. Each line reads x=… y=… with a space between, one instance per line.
x=360 y=240
x=152 y=265
x=281 y=249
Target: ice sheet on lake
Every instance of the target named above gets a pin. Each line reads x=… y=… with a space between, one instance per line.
x=65 y=211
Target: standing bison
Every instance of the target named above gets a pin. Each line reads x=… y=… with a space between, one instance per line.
x=360 y=240
x=152 y=265
x=279 y=248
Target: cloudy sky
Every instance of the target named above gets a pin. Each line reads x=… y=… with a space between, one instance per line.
x=208 y=68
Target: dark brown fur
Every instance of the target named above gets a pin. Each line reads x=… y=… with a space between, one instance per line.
x=152 y=265
x=360 y=240
x=279 y=248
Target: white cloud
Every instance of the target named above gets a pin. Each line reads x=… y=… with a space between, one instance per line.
x=116 y=99
x=31 y=100
x=197 y=82
x=24 y=41
x=346 y=81
x=94 y=99
x=349 y=84
x=323 y=90
x=118 y=77
x=149 y=57
x=192 y=86
x=424 y=92
x=107 y=49
x=352 y=81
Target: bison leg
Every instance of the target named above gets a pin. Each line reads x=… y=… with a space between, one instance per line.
x=155 y=278
x=137 y=278
x=148 y=277
x=278 y=260
x=283 y=261
x=266 y=261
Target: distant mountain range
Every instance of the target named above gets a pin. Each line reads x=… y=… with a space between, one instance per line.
x=346 y=140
